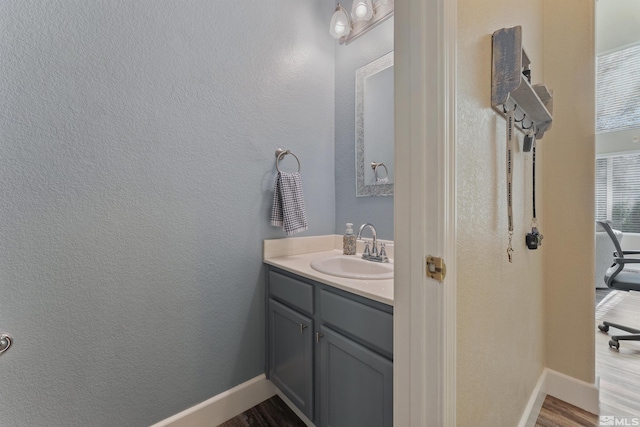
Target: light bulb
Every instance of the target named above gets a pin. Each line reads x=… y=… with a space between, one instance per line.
x=340 y=24
x=362 y=10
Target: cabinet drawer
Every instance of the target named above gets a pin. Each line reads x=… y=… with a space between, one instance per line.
x=366 y=324
x=291 y=291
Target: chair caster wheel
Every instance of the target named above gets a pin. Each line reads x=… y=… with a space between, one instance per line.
x=614 y=344
x=603 y=328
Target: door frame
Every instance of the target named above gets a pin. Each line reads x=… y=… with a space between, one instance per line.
x=425 y=212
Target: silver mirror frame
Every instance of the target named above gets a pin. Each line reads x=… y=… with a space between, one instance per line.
x=362 y=189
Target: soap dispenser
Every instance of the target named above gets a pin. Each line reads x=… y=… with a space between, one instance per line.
x=349 y=241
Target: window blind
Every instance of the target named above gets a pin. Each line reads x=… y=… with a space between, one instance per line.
x=618 y=191
x=618 y=90
x=601 y=189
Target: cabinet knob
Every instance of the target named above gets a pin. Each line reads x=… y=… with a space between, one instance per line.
x=318 y=336
x=302 y=328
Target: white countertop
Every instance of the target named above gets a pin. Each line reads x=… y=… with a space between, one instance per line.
x=299 y=263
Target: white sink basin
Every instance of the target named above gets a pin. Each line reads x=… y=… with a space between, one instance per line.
x=353 y=267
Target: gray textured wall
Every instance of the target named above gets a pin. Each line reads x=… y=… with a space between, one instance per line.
x=136 y=174
x=349 y=208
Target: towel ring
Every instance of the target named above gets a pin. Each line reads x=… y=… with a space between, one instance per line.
x=375 y=166
x=280 y=153
x=5 y=342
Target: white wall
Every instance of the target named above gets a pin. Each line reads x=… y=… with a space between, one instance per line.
x=569 y=188
x=513 y=318
x=500 y=326
x=618 y=142
x=631 y=242
x=137 y=166
x=617 y=26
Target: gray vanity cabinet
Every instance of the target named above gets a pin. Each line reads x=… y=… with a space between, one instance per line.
x=291 y=355
x=356 y=384
x=290 y=334
x=329 y=351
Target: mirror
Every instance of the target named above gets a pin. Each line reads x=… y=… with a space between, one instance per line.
x=374 y=128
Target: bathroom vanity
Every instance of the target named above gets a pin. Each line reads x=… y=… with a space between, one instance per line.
x=329 y=349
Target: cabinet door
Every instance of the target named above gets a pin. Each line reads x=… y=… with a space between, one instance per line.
x=290 y=345
x=356 y=384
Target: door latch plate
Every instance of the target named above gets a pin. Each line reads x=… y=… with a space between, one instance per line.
x=436 y=268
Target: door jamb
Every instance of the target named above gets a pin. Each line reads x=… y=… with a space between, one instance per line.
x=424 y=212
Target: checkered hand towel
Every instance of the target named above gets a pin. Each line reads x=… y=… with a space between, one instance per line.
x=288 y=209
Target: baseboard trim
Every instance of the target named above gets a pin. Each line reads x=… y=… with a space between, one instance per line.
x=532 y=410
x=574 y=391
x=579 y=393
x=223 y=406
x=236 y=400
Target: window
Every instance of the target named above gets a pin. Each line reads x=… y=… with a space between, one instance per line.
x=618 y=191
x=617 y=89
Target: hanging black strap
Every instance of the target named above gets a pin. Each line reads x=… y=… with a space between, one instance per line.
x=534 y=239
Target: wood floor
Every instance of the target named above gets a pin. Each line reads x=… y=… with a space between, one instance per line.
x=619 y=371
x=557 y=413
x=601 y=294
x=270 y=413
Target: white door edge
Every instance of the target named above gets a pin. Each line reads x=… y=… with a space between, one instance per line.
x=449 y=85
x=424 y=212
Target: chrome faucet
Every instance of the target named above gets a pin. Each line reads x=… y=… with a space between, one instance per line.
x=374 y=251
x=373 y=254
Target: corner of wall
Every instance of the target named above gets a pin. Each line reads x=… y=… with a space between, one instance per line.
x=568 y=189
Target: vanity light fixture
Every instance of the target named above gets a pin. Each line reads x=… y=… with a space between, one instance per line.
x=361 y=10
x=365 y=14
x=340 y=23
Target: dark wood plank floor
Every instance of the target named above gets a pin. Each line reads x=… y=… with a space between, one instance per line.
x=557 y=413
x=270 y=413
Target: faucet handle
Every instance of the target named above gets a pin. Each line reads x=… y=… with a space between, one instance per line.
x=383 y=253
x=366 y=253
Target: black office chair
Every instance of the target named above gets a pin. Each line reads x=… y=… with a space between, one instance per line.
x=620 y=279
